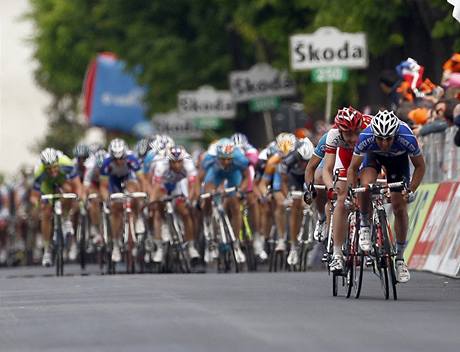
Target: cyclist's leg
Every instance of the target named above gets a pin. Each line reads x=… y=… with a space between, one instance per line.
x=234 y=179
x=295 y=183
x=320 y=205
x=94 y=212
x=116 y=213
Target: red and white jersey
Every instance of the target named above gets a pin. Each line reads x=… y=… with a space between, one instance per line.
x=334 y=140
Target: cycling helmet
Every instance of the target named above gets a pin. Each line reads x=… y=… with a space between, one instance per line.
x=142 y=147
x=286 y=142
x=385 y=124
x=225 y=148
x=118 y=148
x=301 y=132
x=240 y=140
x=100 y=156
x=81 y=151
x=176 y=153
x=367 y=119
x=161 y=142
x=306 y=148
x=94 y=147
x=49 y=156
x=348 y=119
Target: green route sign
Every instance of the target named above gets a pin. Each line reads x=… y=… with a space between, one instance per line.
x=329 y=74
x=264 y=104
x=207 y=123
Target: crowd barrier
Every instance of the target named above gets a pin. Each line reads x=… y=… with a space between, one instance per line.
x=434 y=229
x=442 y=156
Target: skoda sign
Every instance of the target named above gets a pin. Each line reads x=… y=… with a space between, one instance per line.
x=261 y=81
x=328 y=47
x=206 y=102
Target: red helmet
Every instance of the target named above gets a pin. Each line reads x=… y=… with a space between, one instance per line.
x=367 y=120
x=348 y=119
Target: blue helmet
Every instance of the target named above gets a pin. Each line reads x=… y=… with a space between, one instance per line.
x=225 y=148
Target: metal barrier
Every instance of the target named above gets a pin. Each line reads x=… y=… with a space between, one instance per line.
x=442 y=156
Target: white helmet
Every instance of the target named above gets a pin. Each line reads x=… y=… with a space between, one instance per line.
x=385 y=124
x=306 y=148
x=49 y=156
x=286 y=142
x=118 y=148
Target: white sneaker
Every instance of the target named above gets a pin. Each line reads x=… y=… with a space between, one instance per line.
x=402 y=272
x=239 y=255
x=192 y=252
x=280 y=245
x=147 y=257
x=3 y=256
x=293 y=257
x=139 y=227
x=46 y=260
x=116 y=255
x=73 y=251
x=318 y=234
x=158 y=256
x=365 y=238
x=67 y=228
x=259 y=248
x=337 y=263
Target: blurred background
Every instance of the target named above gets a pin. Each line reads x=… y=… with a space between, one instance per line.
x=53 y=53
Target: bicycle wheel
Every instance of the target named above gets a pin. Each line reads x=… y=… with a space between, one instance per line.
x=349 y=274
x=82 y=240
x=59 y=250
x=381 y=263
x=358 y=275
x=388 y=251
x=335 y=283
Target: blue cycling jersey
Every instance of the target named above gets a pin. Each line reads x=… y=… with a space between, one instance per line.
x=239 y=162
x=320 y=149
x=110 y=168
x=404 y=143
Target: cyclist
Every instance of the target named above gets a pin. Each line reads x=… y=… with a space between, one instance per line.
x=285 y=144
x=251 y=153
x=340 y=142
x=314 y=174
x=56 y=173
x=81 y=154
x=292 y=169
x=91 y=183
x=176 y=175
x=230 y=165
x=388 y=143
x=119 y=173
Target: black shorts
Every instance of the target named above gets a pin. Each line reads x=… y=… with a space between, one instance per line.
x=396 y=167
x=295 y=182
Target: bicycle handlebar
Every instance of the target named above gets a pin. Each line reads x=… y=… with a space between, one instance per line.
x=224 y=192
x=59 y=196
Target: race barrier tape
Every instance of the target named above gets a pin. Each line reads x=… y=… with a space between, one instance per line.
x=434 y=229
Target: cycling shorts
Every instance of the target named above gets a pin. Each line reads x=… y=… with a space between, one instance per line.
x=116 y=183
x=396 y=167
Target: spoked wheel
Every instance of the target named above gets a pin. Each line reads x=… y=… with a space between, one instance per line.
x=391 y=269
x=358 y=273
x=59 y=253
x=349 y=274
x=251 y=260
x=82 y=240
x=182 y=260
x=335 y=283
x=382 y=270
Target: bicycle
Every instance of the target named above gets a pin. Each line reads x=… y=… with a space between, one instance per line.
x=383 y=248
x=176 y=257
x=219 y=231
x=129 y=239
x=246 y=238
x=83 y=229
x=58 y=234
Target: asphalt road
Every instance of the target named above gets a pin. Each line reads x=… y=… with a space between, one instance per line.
x=222 y=312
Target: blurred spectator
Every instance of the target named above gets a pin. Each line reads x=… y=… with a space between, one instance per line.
x=444 y=109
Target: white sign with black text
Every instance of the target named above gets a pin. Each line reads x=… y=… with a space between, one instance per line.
x=172 y=124
x=261 y=81
x=206 y=102
x=328 y=47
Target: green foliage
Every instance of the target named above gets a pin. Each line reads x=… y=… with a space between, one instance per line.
x=182 y=44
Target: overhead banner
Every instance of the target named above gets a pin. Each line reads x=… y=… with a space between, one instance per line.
x=434 y=225
x=261 y=81
x=112 y=97
x=328 y=47
x=175 y=126
x=206 y=102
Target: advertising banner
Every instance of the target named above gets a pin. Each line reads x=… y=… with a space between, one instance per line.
x=434 y=223
x=206 y=102
x=261 y=81
x=444 y=257
x=418 y=212
x=112 y=97
x=328 y=47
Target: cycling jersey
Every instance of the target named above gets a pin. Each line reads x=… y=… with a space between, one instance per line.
x=404 y=142
x=164 y=174
x=335 y=140
x=216 y=174
x=151 y=159
x=320 y=149
x=46 y=184
x=92 y=174
x=118 y=174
